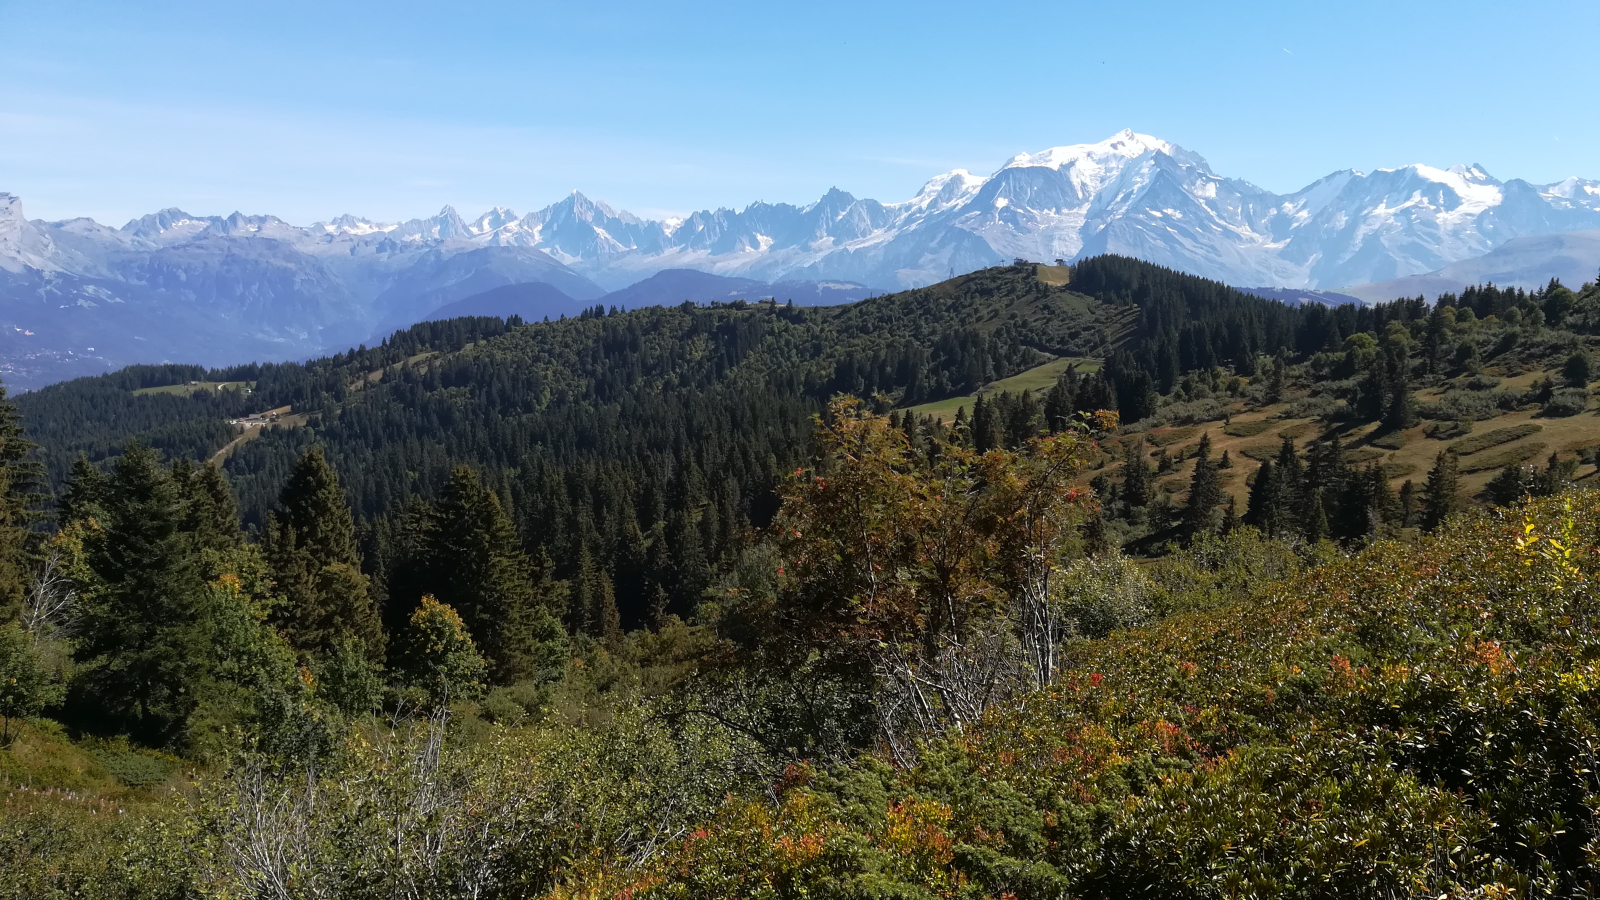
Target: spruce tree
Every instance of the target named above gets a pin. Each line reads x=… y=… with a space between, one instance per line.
x=1276 y=380
x=1401 y=412
x=311 y=547
x=1440 y=495
x=594 y=602
x=1315 y=527
x=1292 y=496
x=1265 y=507
x=1372 y=394
x=85 y=493
x=1407 y=502
x=20 y=478
x=1205 y=490
x=1381 y=505
x=1136 y=486
x=477 y=567
x=142 y=644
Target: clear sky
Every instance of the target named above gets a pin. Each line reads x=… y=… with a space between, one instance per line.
x=311 y=109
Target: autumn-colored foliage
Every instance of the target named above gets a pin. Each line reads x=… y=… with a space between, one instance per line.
x=1413 y=720
x=933 y=567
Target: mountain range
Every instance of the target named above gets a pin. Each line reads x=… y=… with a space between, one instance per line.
x=77 y=296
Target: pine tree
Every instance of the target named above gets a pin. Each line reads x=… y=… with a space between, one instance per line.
x=20 y=478
x=1230 y=516
x=688 y=573
x=1315 y=528
x=310 y=545
x=476 y=566
x=1381 y=504
x=601 y=615
x=1372 y=394
x=1440 y=495
x=1408 y=504
x=85 y=493
x=1265 y=509
x=1292 y=497
x=1276 y=380
x=142 y=642
x=1205 y=490
x=1136 y=480
x=1401 y=412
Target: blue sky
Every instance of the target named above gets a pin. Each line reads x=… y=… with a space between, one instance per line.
x=308 y=110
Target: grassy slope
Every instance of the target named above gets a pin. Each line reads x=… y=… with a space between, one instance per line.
x=184 y=390
x=1039 y=378
x=1412 y=461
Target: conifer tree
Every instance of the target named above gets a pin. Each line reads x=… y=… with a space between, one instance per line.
x=1401 y=412
x=686 y=575
x=1380 y=502
x=1292 y=499
x=85 y=493
x=310 y=545
x=1265 y=509
x=1205 y=490
x=1136 y=487
x=142 y=643
x=476 y=566
x=593 y=602
x=1408 y=504
x=1440 y=495
x=1372 y=394
x=20 y=476
x=1315 y=528
x=1230 y=516
x=1275 y=381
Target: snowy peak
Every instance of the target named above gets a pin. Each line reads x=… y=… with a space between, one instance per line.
x=1132 y=193
x=1473 y=173
x=170 y=225
x=496 y=218
x=351 y=225
x=944 y=191
x=11 y=222
x=1124 y=145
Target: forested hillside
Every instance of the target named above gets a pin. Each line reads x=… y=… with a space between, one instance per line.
x=725 y=602
x=647 y=440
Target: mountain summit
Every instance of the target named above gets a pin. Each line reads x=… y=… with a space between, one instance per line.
x=171 y=283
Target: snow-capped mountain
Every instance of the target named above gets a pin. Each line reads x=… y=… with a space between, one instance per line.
x=1131 y=194
x=214 y=289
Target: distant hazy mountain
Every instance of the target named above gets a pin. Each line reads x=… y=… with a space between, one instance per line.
x=532 y=301
x=211 y=289
x=677 y=285
x=1298 y=296
x=1528 y=262
x=536 y=300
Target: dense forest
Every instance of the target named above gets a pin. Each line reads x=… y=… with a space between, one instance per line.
x=705 y=602
x=647 y=441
